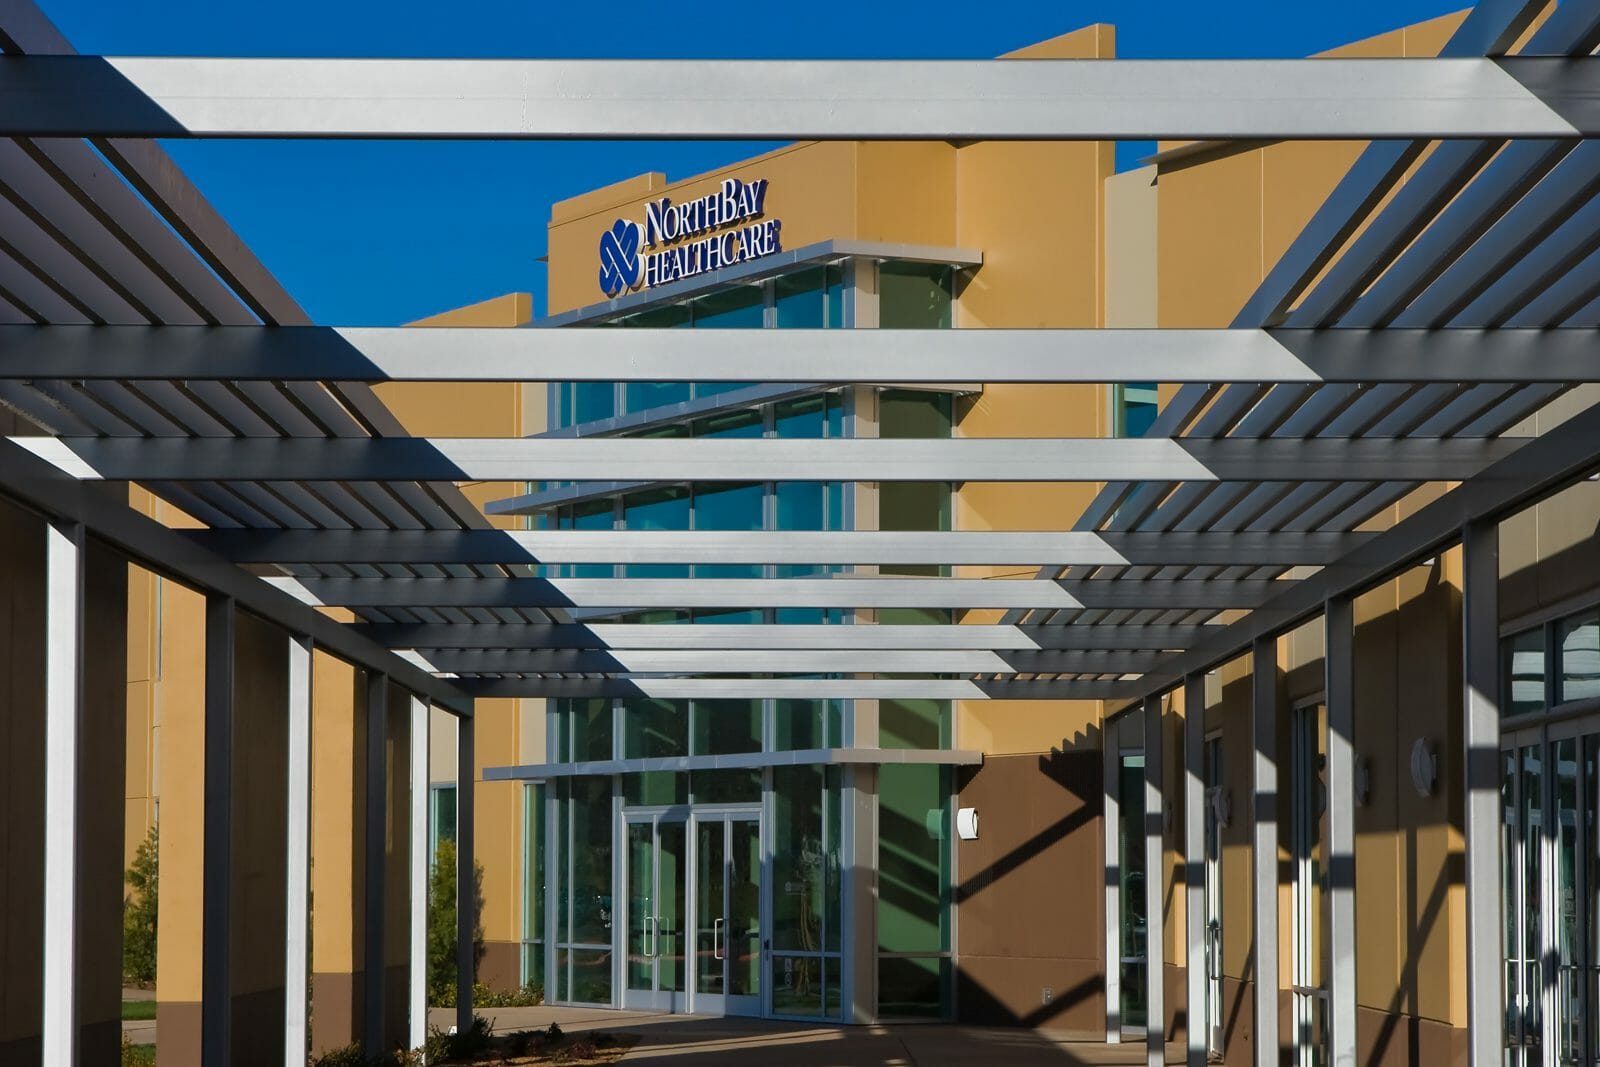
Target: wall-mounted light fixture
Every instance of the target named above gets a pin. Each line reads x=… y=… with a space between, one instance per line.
x=1424 y=766
x=967 y=824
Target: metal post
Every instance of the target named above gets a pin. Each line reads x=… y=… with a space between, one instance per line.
x=1264 y=853
x=417 y=1001
x=216 y=953
x=1111 y=773
x=1339 y=665
x=466 y=902
x=1154 y=938
x=377 y=812
x=1480 y=545
x=63 y=680
x=1194 y=864
x=298 y=861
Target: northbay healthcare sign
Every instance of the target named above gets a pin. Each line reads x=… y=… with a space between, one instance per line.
x=685 y=239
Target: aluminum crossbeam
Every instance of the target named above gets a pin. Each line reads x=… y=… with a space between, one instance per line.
x=644 y=636
x=70 y=96
x=769 y=459
x=742 y=593
x=788 y=661
x=795 y=547
x=795 y=688
x=318 y=353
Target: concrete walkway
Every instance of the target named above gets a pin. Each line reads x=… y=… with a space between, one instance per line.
x=139 y=1031
x=685 y=1040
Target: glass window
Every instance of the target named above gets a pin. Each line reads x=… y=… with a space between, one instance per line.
x=810 y=299
x=726 y=787
x=914 y=723
x=533 y=885
x=805 y=417
x=593 y=400
x=913 y=858
x=913 y=988
x=589 y=727
x=913 y=413
x=655 y=728
x=1580 y=656
x=655 y=788
x=1522 y=668
x=442 y=820
x=797 y=859
x=658 y=509
x=593 y=515
x=724 y=727
x=587 y=898
x=739 y=308
x=730 y=424
x=804 y=724
x=729 y=507
x=915 y=296
x=1130 y=836
x=1133 y=408
x=642 y=396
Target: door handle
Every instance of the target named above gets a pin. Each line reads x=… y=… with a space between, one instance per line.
x=716 y=940
x=655 y=935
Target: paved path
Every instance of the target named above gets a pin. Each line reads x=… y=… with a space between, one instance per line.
x=689 y=1041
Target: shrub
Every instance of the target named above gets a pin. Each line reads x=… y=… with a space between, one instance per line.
x=442 y=924
x=139 y=908
x=137 y=1055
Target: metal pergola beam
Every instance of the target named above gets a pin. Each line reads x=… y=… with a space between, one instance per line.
x=769 y=459
x=319 y=353
x=795 y=688
x=738 y=636
x=1544 y=465
x=1320 y=99
x=792 y=547
x=790 y=661
x=37 y=485
x=752 y=593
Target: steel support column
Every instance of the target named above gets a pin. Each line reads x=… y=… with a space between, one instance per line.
x=1339 y=689
x=63 y=680
x=1264 y=851
x=1480 y=690
x=374 y=959
x=298 y=862
x=421 y=862
x=1194 y=866
x=216 y=953
x=1111 y=770
x=1154 y=938
x=466 y=899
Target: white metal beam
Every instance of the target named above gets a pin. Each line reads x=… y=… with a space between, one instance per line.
x=421 y=864
x=786 y=661
x=465 y=353
x=1154 y=886
x=1194 y=867
x=769 y=459
x=298 y=859
x=1480 y=542
x=1339 y=689
x=739 y=593
x=789 y=99
x=63 y=686
x=1264 y=846
x=784 y=547
x=1082 y=636
x=795 y=688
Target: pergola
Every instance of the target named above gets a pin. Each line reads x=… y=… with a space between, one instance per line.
x=1445 y=291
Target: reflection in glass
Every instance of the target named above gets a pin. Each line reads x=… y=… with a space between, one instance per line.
x=1580 y=657
x=1523 y=668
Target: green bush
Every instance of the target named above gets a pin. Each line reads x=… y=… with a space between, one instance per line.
x=442 y=923
x=527 y=996
x=137 y=1055
x=139 y=913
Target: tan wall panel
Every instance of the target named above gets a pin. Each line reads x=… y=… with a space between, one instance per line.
x=1004 y=727
x=181 y=712
x=906 y=192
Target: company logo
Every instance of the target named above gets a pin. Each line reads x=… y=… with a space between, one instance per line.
x=619 y=257
x=682 y=240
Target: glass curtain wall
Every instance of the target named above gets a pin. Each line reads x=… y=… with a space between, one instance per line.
x=1550 y=841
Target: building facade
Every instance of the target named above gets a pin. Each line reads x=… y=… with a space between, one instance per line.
x=801 y=858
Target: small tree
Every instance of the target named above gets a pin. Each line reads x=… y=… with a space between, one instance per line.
x=442 y=923
x=139 y=912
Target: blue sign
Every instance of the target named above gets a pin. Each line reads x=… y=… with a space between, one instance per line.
x=682 y=240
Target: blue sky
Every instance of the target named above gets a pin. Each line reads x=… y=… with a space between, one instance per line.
x=376 y=233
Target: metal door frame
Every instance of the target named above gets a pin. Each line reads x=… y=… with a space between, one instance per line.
x=722 y=1004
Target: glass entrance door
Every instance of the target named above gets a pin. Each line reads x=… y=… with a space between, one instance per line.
x=727 y=913
x=655 y=920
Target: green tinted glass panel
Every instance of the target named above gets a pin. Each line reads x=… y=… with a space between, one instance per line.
x=729 y=507
x=832 y=857
x=593 y=515
x=796 y=985
x=797 y=724
x=594 y=400
x=914 y=724
x=655 y=728
x=590 y=729
x=590 y=812
x=797 y=859
x=913 y=988
x=591 y=976
x=801 y=299
x=914 y=296
x=913 y=413
x=655 y=788
x=806 y=417
x=723 y=727
x=725 y=787
x=913 y=858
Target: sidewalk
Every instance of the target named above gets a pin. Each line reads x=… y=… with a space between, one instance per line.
x=682 y=1040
